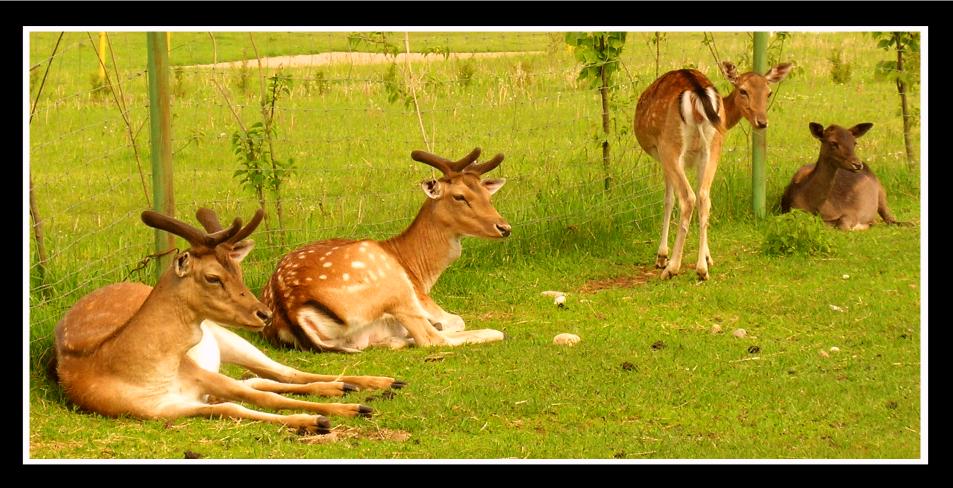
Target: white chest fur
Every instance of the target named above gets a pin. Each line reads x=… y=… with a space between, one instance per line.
x=206 y=353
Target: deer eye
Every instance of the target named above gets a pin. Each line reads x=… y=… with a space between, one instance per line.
x=743 y=92
x=460 y=198
x=213 y=280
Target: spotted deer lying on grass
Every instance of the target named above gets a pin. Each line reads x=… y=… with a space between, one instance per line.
x=128 y=349
x=680 y=121
x=346 y=295
x=839 y=188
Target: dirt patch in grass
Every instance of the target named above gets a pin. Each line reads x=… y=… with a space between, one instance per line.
x=640 y=275
x=344 y=433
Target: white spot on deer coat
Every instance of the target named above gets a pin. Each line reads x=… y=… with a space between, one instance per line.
x=358 y=265
x=345 y=276
x=327 y=264
x=323 y=277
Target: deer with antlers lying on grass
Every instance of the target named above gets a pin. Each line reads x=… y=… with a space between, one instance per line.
x=346 y=295
x=128 y=349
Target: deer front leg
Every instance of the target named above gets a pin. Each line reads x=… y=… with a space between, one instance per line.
x=236 y=350
x=221 y=386
x=707 y=164
x=440 y=318
x=303 y=423
x=420 y=328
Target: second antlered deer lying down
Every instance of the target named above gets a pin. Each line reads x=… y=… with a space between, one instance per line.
x=346 y=295
x=839 y=188
x=128 y=349
x=680 y=121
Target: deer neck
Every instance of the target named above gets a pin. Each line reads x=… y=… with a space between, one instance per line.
x=732 y=112
x=425 y=249
x=172 y=327
x=818 y=184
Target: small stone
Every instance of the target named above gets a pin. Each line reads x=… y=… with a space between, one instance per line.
x=657 y=345
x=740 y=333
x=566 y=339
x=846 y=276
x=836 y=308
x=754 y=350
x=835 y=349
x=560 y=301
x=716 y=329
x=824 y=354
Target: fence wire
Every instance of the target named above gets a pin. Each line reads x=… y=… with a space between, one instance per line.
x=350 y=129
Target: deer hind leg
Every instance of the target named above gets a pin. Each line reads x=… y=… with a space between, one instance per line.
x=221 y=386
x=707 y=165
x=235 y=350
x=675 y=172
x=661 y=258
x=882 y=208
x=302 y=422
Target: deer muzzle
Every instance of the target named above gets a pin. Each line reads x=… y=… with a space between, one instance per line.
x=504 y=229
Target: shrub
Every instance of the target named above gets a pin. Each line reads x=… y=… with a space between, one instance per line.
x=797 y=232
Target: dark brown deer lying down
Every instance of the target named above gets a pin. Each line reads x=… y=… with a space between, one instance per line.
x=346 y=295
x=128 y=349
x=839 y=188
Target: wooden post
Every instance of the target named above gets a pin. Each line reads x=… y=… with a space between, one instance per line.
x=160 y=121
x=102 y=58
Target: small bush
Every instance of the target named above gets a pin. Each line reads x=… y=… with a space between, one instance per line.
x=797 y=232
x=840 y=71
x=465 y=73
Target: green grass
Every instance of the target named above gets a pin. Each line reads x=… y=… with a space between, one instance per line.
x=700 y=396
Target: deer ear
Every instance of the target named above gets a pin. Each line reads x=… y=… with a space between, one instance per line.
x=241 y=249
x=728 y=68
x=817 y=130
x=778 y=72
x=182 y=264
x=432 y=188
x=493 y=184
x=860 y=129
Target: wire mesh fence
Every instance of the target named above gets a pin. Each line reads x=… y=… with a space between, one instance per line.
x=349 y=128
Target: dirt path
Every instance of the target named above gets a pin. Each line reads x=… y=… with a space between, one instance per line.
x=359 y=58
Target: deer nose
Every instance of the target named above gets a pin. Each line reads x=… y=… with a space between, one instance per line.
x=762 y=124
x=264 y=315
x=504 y=229
x=856 y=166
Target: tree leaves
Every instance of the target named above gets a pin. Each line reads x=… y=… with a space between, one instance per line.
x=598 y=52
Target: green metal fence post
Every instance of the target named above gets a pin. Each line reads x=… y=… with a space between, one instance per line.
x=160 y=121
x=759 y=136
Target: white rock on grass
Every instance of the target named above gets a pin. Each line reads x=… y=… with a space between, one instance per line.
x=566 y=339
x=740 y=333
x=716 y=329
x=835 y=349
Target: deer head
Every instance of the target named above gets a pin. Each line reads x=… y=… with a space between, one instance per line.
x=753 y=91
x=208 y=274
x=837 y=144
x=461 y=199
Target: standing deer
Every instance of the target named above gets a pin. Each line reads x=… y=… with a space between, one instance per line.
x=680 y=121
x=838 y=187
x=128 y=349
x=346 y=295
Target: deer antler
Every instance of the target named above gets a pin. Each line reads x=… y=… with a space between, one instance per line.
x=443 y=164
x=248 y=229
x=487 y=166
x=466 y=160
x=208 y=219
x=195 y=237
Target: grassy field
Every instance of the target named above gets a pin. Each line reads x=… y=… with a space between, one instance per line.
x=648 y=380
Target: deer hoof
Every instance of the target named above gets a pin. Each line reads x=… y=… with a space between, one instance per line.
x=667 y=274
x=365 y=411
x=347 y=387
x=661 y=261
x=703 y=275
x=321 y=426
x=397 y=384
